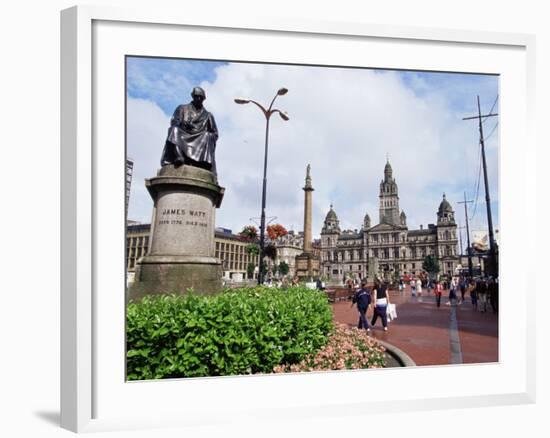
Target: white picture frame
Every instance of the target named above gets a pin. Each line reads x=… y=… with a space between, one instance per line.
x=94 y=395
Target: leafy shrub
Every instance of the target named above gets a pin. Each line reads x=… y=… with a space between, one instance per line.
x=241 y=331
x=347 y=348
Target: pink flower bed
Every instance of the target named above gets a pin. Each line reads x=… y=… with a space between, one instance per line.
x=347 y=349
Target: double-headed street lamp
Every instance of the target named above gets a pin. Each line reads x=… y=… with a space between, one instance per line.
x=267 y=113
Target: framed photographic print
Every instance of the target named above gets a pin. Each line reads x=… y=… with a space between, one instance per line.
x=260 y=217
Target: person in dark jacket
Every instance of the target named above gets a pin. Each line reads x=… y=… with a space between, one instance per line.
x=362 y=299
x=492 y=292
x=481 y=290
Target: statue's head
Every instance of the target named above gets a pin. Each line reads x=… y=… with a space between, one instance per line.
x=198 y=95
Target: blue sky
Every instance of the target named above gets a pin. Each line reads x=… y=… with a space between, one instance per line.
x=344 y=122
x=166 y=81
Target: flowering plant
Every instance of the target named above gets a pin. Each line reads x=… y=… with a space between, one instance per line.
x=275 y=231
x=249 y=233
x=347 y=348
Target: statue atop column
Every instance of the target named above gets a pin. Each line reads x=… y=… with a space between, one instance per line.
x=307 y=264
x=192 y=135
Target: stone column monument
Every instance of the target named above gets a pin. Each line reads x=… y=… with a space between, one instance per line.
x=186 y=194
x=307 y=264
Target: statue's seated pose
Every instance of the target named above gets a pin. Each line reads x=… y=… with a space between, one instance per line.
x=192 y=135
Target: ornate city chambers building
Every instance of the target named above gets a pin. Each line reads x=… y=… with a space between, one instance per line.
x=389 y=246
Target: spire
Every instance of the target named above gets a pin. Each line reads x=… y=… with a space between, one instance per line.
x=389 y=198
x=387 y=171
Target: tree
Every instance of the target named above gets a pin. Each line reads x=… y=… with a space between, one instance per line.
x=283 y=268
x=250 y=270
x=249 y=233
x=431 y=265
x=275 y=231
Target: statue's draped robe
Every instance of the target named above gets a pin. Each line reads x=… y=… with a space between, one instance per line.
x=192 y=136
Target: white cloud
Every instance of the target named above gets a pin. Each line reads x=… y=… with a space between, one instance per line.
x=343 y=122
x=146 y=132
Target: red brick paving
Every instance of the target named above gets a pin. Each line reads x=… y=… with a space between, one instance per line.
x=423 y=331
x=478 y=334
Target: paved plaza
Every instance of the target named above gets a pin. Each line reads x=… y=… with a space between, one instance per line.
x=431 y=335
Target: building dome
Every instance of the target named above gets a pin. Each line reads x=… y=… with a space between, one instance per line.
x=331 y=215
x=331 y=224
x=445 y=206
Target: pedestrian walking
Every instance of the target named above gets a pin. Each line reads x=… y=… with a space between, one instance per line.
x=453 y=287
x=473 y=294
x=362 y=299
x=492 y=294
x=462 y=287
x=438 y=291
x=481 y=290
x=419 y=287
x=401 y=286
x=413 y=287
x=381 y=300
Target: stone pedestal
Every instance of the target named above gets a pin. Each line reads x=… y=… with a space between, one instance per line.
x=181 y=251
x=307 y=266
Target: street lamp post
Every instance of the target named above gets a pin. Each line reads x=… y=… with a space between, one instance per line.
x=267 y=113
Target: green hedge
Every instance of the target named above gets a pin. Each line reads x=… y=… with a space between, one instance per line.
x=240 y=331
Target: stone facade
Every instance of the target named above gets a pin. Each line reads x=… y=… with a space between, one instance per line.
x=389 y=247
x=129 y=173
x=230 y=250
x=288 y=247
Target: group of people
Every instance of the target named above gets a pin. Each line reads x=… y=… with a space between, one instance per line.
x=416 y=285
x=376 y=297
x=483 y=292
